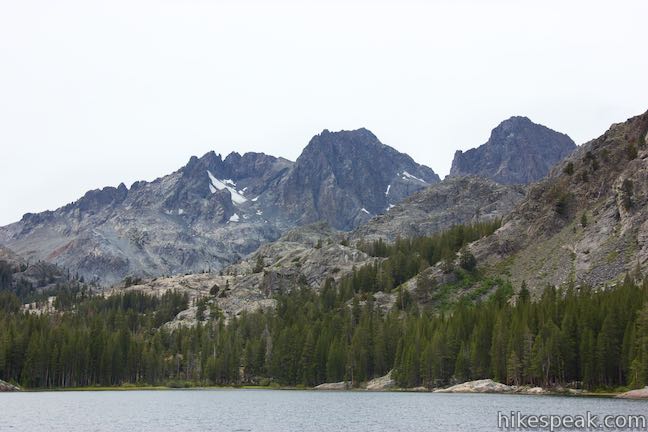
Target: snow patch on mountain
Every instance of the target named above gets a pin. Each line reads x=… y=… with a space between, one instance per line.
x=216 y=184
x=407 y=175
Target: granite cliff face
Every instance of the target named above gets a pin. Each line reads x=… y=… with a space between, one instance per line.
x=213 y=211
x=303 y=257
x=517 y=152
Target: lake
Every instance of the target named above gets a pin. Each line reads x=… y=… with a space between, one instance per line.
x=280 y=411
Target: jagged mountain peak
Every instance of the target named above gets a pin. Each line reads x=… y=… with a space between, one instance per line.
x=359 y=143
x=516 y=121
x=215 y=209
x=346 y=177
x=518 y=151
x=335 y=144
x=360 y=135
x=361 y=131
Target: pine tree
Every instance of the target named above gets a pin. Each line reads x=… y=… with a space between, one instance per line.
x=513 y=369
x=462 y=364
x=498 y=353
x=307 y=362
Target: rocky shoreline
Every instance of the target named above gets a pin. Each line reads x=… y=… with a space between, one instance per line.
x=6 y=387
x=635 y=394
x=386 y=383
x=490 y=386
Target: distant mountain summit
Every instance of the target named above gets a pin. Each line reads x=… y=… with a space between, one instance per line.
x=213 y=211
x=517 y=152
x=346 y=177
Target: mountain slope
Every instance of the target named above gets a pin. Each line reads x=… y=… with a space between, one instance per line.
x=177 y=223
x=309 y=255
x=454 y=201
x=585 y=224
x=214 y=211
x=303 y=257
x=517 y=152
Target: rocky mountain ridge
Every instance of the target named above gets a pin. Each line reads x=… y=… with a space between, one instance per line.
x=214 y=211
x=586 y=224
x=454 y=201
x=309 y=255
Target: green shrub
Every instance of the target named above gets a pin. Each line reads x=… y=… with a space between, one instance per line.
x=562 y=204
x=569 y=168
x=627 y=193
x=467 y=260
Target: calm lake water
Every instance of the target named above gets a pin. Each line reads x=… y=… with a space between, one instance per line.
x=280 y=411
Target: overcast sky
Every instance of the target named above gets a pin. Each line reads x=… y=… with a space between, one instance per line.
x=97 y=93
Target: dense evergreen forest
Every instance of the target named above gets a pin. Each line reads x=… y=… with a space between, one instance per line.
x=564 y=336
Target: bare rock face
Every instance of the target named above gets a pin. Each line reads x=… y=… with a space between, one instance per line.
x=517 y=152
x=586 y=223
x=306 y=261
x=11 y=258
x=230 y=295
x=635 y=394
x=381 y=383
x=214 y=211
x=479 y=386
x=456 y=200
x=342 y=385
x=534 y=391
x=303 y=257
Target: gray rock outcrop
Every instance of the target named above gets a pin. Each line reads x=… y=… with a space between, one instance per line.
x=478 y=386
x=342 y=385
x=6 y=387
x=382 y=383
x=635 y=394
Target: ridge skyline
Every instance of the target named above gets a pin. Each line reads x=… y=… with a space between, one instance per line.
x=128 y=182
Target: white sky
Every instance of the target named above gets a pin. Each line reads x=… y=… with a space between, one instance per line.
x=96 y=93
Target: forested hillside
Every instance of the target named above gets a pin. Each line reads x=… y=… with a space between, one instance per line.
x=568 y=336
